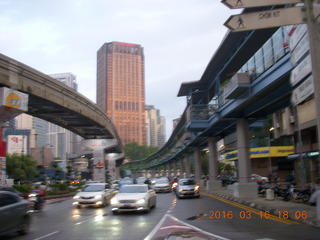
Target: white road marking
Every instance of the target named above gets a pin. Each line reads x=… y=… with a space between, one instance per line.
x=48 y=235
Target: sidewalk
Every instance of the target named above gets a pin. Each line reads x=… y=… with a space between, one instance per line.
x=297 y=209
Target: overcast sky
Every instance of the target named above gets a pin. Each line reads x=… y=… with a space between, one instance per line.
x=178 y=36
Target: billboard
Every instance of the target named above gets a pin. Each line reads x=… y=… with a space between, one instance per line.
x=17 y=144
x=12 y=103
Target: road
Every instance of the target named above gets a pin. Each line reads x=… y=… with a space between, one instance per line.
x=207 y=217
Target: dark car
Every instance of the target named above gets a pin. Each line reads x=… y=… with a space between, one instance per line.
x=227 y=179
x=187 y=187
x=14 y=214
x=11 y=189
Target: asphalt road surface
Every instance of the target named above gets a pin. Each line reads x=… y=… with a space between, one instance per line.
x=207 y=217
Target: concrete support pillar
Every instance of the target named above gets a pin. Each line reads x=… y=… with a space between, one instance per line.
x=197 y=166
x=244 y=188
x=213 y=184
x=169 y=169
x=174 y=169
x=187 y=165
x=182 y=168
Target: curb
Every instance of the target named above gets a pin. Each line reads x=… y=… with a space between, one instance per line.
x=312 y=223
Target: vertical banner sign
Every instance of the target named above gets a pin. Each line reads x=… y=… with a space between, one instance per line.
x=2 y=162
x=2 y=170
x=111 y=159
x=99 y=166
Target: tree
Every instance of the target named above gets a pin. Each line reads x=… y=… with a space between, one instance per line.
x=134 y=151
x=20 y=167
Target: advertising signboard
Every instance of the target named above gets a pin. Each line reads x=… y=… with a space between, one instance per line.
x=17 y=144
x=12 y=103
x=2 y=170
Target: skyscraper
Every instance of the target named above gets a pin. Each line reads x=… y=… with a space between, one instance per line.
x=121 y=89
x=63 y=141
x=155 y=125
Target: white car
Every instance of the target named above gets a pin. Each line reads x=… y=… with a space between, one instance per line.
x=162 y=185
x=187 y=187
x=96 y=194
x=137 y=197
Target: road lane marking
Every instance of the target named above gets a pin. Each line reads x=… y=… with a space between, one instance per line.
x=253 y=210
x=164 y=224
x=48 y=235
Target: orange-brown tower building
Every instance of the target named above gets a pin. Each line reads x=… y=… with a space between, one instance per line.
x=121 y=89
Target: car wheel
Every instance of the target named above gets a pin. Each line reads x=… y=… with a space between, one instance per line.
x=24 y=226
x=155 y=203
x=114 y=212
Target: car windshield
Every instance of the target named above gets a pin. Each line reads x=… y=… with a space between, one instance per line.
x=93 y=188
x=162 y=181
x=187 y=182
x=134 y=189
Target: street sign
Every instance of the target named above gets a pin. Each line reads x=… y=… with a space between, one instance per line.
x=266 y=19
x=301 y=71
x=303 y=91
x=233 y=4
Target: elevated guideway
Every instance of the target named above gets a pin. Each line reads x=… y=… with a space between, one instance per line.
x=212 y=112
x=57 y=103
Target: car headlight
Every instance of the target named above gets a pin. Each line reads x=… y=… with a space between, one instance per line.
x=114 y=200
x=196 y=188
x=98 y=197
x=76 y=197
x=141 y=201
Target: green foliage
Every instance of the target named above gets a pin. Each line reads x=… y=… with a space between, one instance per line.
x=23 y=188
x=60 y=187
x=20 y=167
x=225 y=167
x=134 y=151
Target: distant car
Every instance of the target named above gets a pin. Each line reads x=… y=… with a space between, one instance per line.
x=141 y=180
x=162 y=185
x=91 y=182
x=96 y=194
x=258 y=179
x=187 y=187
x=125 y=181
x=227 y=179
x=137 y=197
x=14 y=214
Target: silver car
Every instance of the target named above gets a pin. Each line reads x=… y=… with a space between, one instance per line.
x=96 y=194
x=14 y=214
x=162 y=185
x=187 y=187
x=137 y=197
